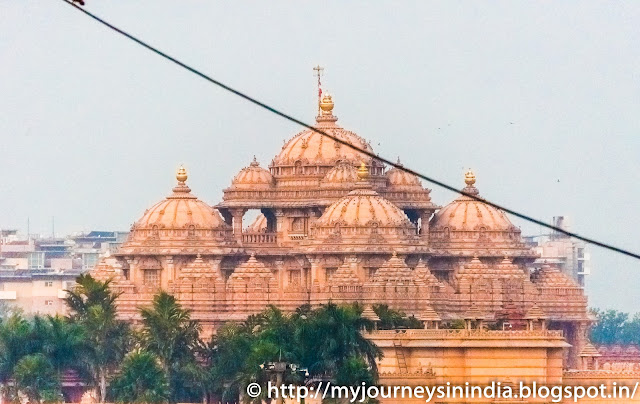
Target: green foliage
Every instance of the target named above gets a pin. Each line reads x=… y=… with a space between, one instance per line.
x=169 y=333
x=391 y=319
x=615 y=327
x=35 y=352
x=454 y=325
x=15 y=343
x=165 y=361
x=327 y=342
x=107 y=339
x=141 y=380
x=36 y=378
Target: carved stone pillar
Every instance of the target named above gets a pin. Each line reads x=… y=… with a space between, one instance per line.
x=281 y=277
x=353 y=261
x=133 y=269
x=425 y=215
x=237 y=215
x=171 y=273
x=579 y=341
x=317 y=275
x=281 y=228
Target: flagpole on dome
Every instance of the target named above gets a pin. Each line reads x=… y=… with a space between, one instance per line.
x=318 y=72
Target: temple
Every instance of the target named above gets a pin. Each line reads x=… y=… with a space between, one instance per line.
x=336 y=225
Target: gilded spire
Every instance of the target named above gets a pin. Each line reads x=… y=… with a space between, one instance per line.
x=363 y=171
x=469 y=178
x=326 y=104
x=181 y=175
x=181 y=190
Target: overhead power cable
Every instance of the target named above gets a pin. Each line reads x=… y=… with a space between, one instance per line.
x=345 y=143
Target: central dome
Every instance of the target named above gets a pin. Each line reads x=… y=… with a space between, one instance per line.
x=311 y=148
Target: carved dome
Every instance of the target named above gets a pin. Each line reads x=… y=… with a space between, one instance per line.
x=363 y=207
x=179 y=216
x=310 y=148
x=472 y=227
x=343 y=175
x=468 y=214
x=363 y=218
x=253 y=177
x=400 y=179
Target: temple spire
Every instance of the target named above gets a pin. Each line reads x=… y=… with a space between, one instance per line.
x=318 y=69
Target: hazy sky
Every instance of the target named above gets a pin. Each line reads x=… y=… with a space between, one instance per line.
x=92 y=127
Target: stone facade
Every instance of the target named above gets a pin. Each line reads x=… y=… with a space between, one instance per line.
x=336 y=225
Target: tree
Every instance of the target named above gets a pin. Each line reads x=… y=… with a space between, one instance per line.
x=61 y=341
x=609 y=327
x=169 y=333
x=141 y=380
x=15 y=343
x=92 y=305
x=333 y=337
x=36 y=378
x=228 y=368
x=391 y=319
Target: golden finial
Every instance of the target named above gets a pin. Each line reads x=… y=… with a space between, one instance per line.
x=326 y=104
x=181 y=175
x=363 y=171
x=470 y=178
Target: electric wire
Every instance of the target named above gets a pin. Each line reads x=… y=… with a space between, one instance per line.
x=345 y=143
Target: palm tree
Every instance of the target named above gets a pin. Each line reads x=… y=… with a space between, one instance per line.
x=141 y=380
x=169 y=333
x=333 y=339
x=62 y=342
x=15 y=343
x=391 y=319
x=36 y=377
x=88 y=293
x=92 y=306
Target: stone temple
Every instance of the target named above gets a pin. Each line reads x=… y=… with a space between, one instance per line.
x=336 y=225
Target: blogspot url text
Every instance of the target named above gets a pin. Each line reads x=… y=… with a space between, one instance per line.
x=495 y=390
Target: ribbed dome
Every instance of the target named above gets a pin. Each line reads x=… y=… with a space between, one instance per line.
x=180 y=210
x=311 y=148
x=342 y=175
x=253 y=177
x=466 y=213
x=363 y=207
x=180 y=216
x=397 y=178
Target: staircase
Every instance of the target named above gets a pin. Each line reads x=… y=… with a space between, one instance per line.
x=402 y=361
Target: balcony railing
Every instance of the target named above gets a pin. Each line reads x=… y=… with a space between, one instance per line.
x=259 y=238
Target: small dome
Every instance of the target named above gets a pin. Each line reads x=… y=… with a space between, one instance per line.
x=363 y=207
x=180 y=210
x=397 y=178
x=468 y=214
x=180 y=216
x=343 y=175
x=253 y=177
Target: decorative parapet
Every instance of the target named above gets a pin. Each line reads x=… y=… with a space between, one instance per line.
x=259 y=238
x=454 y=334
x=606 y=374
